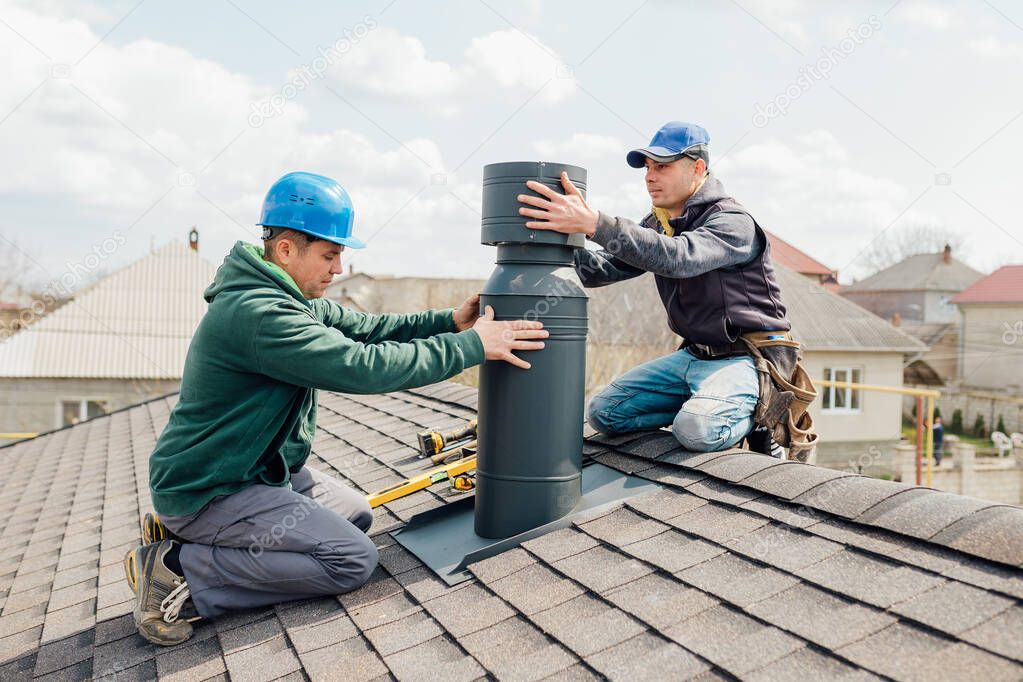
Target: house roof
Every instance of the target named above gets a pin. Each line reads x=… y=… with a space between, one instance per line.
x=822 y=320
x=742 y=565
x=923 y=272
x=929 y=333
x=133 y=324
x=792 y=258
x=1004 y=285
x=630 y=313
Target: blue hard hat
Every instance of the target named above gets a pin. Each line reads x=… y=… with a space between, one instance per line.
x=313 y=204
x=674 y=140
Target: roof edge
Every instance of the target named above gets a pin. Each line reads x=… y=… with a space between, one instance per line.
x=101 y=416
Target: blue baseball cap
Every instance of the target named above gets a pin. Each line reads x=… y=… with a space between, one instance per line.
x=674 y=140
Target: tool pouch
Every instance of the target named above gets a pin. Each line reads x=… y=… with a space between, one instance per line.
x=786 y=392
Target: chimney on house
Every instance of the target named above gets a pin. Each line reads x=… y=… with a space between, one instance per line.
x=897 y=320
x=946 y=255
x=193 y=239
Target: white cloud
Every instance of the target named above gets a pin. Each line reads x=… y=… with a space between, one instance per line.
x=927 y=15
x=519 y=62
x=389 y=64
x=806 y=191
x=581 y=147
x=629 y=199
x=782 y=17
x=75 y=9
x=150 y=134
x=822 y=145
x=989 y=46
x=393 y=65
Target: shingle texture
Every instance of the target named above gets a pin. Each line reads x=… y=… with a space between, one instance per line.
x=738 y=567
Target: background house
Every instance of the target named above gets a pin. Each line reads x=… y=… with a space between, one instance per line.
x=120 y=341
x=19 y=309
x=844 y=342
x=991 y=347
x=916 y=294
x=787 y=255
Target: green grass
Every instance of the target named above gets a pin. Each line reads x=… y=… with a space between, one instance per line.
x=983 y=445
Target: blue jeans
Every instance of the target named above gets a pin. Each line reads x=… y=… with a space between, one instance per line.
x=708 y=403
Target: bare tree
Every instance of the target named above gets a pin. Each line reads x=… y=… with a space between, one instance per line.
x=14 y=271
x=900 y=243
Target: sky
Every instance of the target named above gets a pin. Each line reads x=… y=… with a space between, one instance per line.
x=124 y=124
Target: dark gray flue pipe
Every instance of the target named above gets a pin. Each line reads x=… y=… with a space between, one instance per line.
x=530 y=421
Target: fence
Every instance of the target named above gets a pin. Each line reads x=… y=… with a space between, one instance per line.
x=924 y=427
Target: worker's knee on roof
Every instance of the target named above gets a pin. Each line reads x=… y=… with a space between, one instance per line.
x=598 y=414
x=362 y=518
x=706 y=424
x=699 y=434
x=349 y=562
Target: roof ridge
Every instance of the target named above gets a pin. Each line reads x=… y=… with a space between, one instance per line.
x=937 y=517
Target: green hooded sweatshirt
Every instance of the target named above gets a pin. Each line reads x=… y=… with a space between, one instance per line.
x=247 y=409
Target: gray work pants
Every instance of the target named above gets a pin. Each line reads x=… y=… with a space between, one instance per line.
x=265 y=544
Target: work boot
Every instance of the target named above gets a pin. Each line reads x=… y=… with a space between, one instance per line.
x=188 y=611
x=153 y=530
x=760 y=440
x=161 y=595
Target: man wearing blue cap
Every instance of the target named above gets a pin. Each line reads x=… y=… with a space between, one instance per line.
x=712 y=265
x=243 y=522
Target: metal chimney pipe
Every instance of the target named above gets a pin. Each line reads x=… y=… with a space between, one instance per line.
x=530 y=433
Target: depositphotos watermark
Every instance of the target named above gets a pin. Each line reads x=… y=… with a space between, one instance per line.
x=62 y=287
x=1013 y=332
x=274 y=536
x=306 y=74
x=773 y=536
x=811 y=74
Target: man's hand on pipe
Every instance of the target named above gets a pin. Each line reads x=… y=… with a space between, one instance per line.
x=567 y=213
x=501 y=338
x=467 y=314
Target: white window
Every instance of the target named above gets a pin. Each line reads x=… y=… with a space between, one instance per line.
x=841 y=399
x=74 y=411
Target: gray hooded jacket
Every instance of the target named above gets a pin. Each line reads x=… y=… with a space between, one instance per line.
x=714 y=275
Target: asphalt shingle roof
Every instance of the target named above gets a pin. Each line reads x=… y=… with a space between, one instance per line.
x=741 y=566
x=822 y=320
x=922 y=272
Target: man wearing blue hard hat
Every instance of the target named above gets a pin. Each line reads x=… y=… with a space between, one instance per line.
x=712 y=265
x=242 y=521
